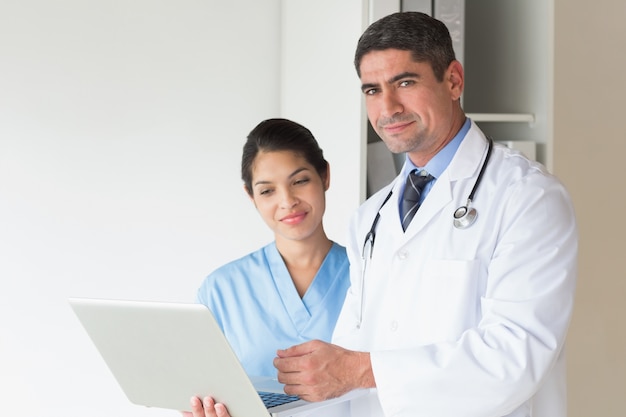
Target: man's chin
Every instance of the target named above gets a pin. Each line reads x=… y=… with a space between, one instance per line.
x=395 y=146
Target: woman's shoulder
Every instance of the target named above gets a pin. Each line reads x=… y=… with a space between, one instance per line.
x=243 y=265
x=234 y=276
x=337 y=258
x=338 y=250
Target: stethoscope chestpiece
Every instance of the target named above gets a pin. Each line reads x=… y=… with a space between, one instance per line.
x=464 y=217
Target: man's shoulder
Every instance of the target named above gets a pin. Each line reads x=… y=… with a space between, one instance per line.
x=512 y=165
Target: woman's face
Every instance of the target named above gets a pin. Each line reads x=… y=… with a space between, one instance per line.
x=289 y=194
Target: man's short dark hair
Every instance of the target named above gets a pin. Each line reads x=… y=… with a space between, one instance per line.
x=427 y=38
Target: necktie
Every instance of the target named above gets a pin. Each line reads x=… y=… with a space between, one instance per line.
x=415 y=183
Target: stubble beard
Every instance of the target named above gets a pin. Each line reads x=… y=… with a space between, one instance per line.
x=406 y=141
x=402 y=144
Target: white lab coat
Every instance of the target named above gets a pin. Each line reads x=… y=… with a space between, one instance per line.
x=467 y=322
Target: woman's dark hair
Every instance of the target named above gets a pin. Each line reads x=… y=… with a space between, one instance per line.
x=281 y=135
x=427 y=38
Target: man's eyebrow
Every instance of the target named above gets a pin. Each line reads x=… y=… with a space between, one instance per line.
x=392 y=80
x=367 y=86
x=402 y=76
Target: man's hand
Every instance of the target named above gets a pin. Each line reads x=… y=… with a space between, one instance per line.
x=206 y=408
x=316 y=370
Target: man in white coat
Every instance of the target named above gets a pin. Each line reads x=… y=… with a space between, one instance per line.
x=446 y=321
x=460 y=313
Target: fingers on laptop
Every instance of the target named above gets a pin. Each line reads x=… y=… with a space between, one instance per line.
x=207 y=408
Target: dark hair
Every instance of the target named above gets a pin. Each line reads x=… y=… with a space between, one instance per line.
x=281 y=135
x=427 y=38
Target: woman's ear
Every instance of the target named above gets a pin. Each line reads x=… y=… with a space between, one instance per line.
x=249 y=194
x=326 y=179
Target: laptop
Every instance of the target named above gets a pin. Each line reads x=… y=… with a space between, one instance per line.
x=164 y=353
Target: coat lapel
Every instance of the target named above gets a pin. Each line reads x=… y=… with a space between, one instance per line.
x=464 y=164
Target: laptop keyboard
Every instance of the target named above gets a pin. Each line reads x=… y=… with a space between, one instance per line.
x=274 y=399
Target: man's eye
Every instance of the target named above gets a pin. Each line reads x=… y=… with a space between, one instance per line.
x=406 y=83
x=370 y=91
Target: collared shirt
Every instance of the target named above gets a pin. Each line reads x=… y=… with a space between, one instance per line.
x=437 y=164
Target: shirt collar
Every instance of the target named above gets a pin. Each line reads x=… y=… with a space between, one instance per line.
x=441 y=160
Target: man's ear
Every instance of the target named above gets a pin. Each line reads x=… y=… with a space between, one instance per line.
x=455 y=78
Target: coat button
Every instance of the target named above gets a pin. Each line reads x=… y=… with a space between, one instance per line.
x=403 y=254
x=393 y=326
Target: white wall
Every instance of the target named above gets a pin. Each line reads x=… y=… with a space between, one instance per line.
x=121 y=126
x=321 y=90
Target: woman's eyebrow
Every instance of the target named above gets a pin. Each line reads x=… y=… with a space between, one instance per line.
x=297 y=171
x=293 y=174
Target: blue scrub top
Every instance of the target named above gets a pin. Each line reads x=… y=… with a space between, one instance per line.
x=258 y=307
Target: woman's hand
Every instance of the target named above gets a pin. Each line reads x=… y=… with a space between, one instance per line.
x=206 y=408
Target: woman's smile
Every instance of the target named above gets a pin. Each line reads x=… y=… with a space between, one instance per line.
x=294 y=218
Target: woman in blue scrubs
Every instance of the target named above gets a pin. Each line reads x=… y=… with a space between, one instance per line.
x=292 y=289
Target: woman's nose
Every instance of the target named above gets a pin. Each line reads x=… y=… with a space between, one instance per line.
x=289 y=199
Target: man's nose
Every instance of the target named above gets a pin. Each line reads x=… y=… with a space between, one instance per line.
x=390 y=104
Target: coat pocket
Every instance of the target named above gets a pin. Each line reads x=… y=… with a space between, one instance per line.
x=448 y=299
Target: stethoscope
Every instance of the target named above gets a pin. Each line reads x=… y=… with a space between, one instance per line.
x=463 y=217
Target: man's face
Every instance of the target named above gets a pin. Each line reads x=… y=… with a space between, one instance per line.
x=408 y=107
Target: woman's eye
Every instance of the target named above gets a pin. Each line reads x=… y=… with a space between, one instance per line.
x=265 y=192
x=302 y=181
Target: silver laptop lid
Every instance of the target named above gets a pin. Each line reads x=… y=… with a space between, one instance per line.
x=162 y=354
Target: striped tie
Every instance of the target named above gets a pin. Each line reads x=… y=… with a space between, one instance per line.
x=415 y=183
